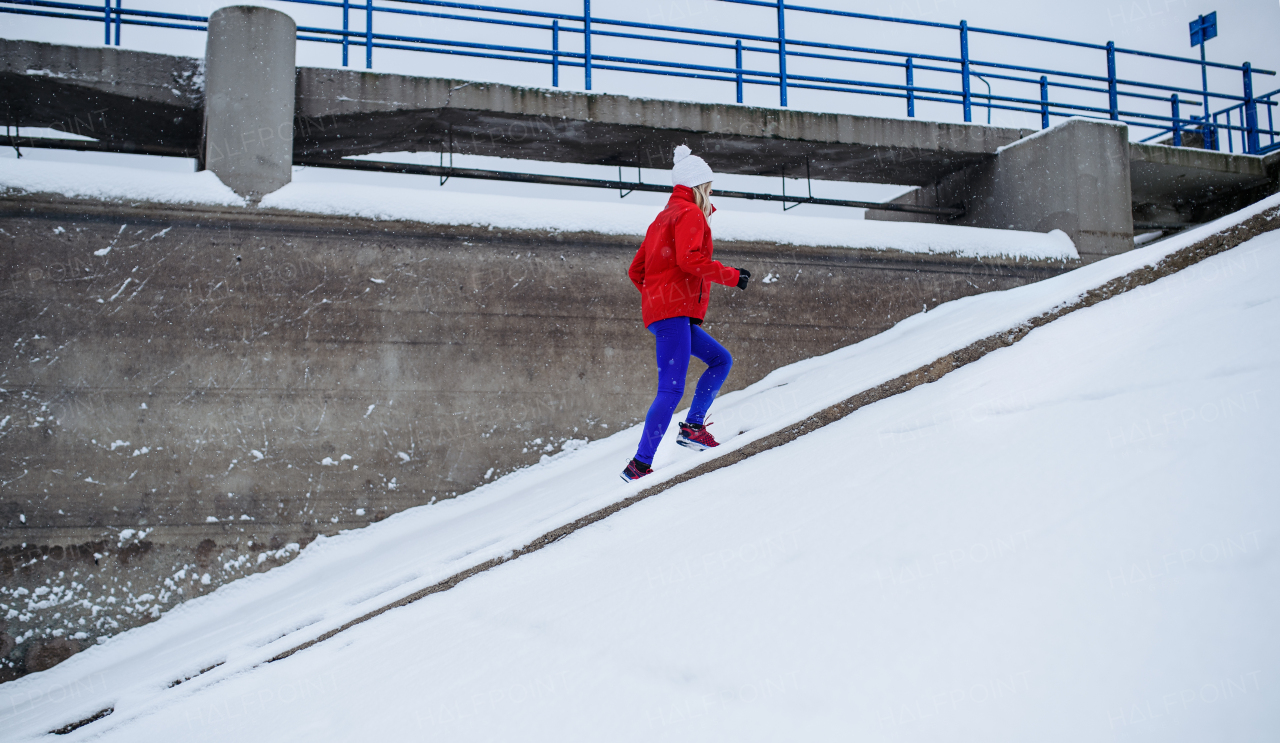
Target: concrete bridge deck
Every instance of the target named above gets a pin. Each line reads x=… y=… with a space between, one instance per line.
x=139 y=97
x=152 y=102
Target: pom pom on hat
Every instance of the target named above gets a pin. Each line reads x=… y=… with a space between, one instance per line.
x=689 y=169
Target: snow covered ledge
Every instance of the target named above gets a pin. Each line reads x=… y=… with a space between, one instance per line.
x=113 y=183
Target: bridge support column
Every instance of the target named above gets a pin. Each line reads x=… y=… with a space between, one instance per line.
x=250 y=71
x=1072 y=177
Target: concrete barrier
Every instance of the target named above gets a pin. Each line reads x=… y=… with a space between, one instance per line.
x=249 y=98
x=109 y=94
x=1072 y=177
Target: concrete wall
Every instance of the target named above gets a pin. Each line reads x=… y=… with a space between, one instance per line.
x=108 y=94
x=170 y=405
x=1184 y=185
x=1074 y=177
x=1078 y=176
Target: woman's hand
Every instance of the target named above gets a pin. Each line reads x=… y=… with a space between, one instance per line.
x=743 y=277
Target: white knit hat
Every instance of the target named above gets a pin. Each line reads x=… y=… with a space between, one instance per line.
x=689 y=170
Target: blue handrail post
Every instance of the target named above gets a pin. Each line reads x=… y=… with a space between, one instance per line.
x=782 y=53
x=106 y=22
x=1210 y=142
x=368 y=34
x=555 y=53
x=1250 y=145
x=738 y=66
x=964 y=71
x=1113 y=96
x=1177 y=125
x=118 y=15
x=911 y=91
x=1209 y=130
x=346 y=26
x=586 y=42
x=1271 y=124
x=1044 y=102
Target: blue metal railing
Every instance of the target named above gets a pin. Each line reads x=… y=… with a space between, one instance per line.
x=1046 y=93
x=1235 y=122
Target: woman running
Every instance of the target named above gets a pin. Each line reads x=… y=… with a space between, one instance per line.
x=673 y=270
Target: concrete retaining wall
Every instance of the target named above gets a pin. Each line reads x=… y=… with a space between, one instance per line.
x=1073 y=177
x=193 y=392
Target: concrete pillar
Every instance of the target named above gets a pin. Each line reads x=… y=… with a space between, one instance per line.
x=250 y=61
x=1072 y=177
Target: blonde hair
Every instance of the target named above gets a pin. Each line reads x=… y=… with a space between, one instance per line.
x=702 y=197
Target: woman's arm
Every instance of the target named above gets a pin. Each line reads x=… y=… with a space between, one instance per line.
x=691 y=252
x=636 y=272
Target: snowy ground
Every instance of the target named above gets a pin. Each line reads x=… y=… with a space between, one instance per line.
x=317 y=192
x=1071 y=539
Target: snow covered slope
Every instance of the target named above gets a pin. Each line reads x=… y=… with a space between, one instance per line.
x=1050 y=543
x=387 y=202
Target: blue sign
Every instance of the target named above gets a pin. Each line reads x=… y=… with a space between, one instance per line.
x=1204 y=28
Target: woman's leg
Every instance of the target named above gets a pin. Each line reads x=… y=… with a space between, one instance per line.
x=718 y=362
x=672 y=341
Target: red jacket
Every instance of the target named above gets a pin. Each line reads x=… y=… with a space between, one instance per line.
x=673 y=268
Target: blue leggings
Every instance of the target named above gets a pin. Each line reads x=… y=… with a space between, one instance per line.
x=677 y=339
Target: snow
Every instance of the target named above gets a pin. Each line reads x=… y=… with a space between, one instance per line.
x=517 y=212
x=88 y=181
x=1050 y=543
x=1044 y=132
x=1146 y=237
x=39 y=132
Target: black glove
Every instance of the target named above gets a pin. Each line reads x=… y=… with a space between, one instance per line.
x=743 y=277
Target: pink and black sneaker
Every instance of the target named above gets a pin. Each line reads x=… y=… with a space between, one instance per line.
x=635 y=470
x=694 y=436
